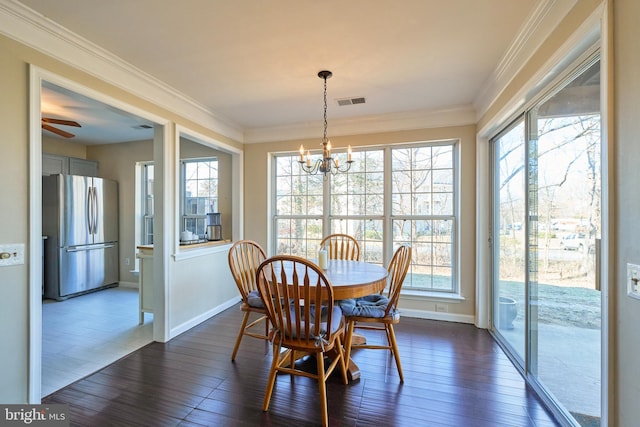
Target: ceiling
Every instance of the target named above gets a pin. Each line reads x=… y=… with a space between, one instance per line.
x=99 y=123
x=254 y=64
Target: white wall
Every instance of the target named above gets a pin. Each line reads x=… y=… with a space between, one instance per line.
x=626 y=228
x=14 y=214
x=200 y=287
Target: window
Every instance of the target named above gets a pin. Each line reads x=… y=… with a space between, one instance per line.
x=147 y=203
x=423 y=206
x=357 y=204
x=391 y=196
x=199 y=193
x=199 y=196
x=298 y=209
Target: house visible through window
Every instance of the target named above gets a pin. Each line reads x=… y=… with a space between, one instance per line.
x=400 y=194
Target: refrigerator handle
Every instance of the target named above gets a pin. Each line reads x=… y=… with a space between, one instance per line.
x=95 y=210
x=90 y=210
x=83 y=248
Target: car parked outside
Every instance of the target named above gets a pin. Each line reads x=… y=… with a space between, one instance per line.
x=574 y=242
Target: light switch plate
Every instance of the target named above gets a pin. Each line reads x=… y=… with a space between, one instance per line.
x=11 y=254
x=633 y=280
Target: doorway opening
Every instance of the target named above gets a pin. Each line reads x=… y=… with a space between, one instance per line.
x=76 y=336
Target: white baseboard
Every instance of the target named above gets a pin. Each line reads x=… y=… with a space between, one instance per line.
x=133 y=285
x=418 y=314
x=201 y=318
x=432 y=315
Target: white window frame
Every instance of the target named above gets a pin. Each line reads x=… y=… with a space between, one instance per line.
x=200 y=218
x=452 y=217
x=388 y=244
x=146 y=203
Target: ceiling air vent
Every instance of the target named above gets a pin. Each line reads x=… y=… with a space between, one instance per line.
x=351 y=101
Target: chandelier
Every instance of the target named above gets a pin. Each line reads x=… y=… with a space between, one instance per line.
x=326 y=164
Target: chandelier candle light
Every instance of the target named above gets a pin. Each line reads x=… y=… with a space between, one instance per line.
x=326 y=164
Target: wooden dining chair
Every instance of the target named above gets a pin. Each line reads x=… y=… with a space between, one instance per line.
x=379 y=311
x=341 y=246
x=245 y=257
x=308 y=323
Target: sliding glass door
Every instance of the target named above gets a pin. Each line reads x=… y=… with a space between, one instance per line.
x=546 y=305
x=510 y=243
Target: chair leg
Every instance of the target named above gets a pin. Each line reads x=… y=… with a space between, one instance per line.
x=272 y=377
x=347 y=344
x=240 y=334
x=343 y=362
x=292 y=362
x=395 y=350
x=323 y=389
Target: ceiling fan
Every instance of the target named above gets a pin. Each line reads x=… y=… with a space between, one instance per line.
x=47 y=122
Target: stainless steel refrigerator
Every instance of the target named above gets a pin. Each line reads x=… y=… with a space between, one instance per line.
x=80 y=220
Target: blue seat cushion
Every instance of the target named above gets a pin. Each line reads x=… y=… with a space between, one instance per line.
x=254 y=300
x=368 y=306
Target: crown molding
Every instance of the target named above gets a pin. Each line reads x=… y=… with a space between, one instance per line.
x=543 y=19
x=454 y=116
x=583 y=43
x=26 y=26
x=30 y=28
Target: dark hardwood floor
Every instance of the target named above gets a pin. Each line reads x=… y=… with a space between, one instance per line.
x=455 y=375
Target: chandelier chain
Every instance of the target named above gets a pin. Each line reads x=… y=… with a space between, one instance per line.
x=327 y=164
x=324 y=139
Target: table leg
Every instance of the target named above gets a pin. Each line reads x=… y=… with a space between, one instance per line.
x=357 y=339
x=353 y=371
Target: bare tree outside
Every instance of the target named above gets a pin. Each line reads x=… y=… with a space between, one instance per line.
x=422 y=208
x=423 y=203
x=547 y=229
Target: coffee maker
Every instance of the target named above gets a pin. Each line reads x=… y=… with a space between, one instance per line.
x=214 y=227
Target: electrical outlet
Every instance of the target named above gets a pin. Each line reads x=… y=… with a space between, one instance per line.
x=442 y=308
x=11 y=254
x=127 y=261
x=633 y=280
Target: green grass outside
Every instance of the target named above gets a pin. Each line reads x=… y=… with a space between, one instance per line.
x=560 y=305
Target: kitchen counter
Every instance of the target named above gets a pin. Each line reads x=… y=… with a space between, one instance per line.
x=209 y=244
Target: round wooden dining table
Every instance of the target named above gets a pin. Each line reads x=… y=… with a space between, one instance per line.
x=353 y=279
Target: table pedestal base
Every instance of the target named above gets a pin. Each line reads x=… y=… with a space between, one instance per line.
x=353 y=371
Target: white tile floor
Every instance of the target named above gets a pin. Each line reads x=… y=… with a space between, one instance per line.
x=86 y=333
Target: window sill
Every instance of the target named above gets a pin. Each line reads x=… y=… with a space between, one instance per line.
x=432 y=296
